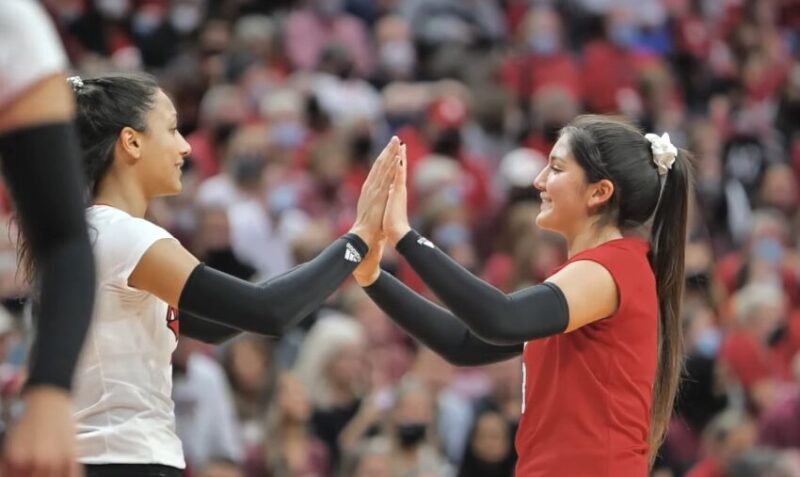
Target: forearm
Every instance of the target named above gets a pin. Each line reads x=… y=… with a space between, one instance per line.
x=434 y=326
x=41 y=167
x=276 y=305
x=495 y=317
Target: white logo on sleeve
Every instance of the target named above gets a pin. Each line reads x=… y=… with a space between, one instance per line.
x=425 y=242
x=351 y=254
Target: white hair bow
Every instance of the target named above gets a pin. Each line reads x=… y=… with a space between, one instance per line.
x=664 y=153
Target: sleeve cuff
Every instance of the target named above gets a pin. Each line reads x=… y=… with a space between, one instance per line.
x=409 y=240
x=356 y=241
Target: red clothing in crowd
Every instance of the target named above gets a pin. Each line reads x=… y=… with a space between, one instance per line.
x=588 y=393
x=528 y=74
x=708 y=467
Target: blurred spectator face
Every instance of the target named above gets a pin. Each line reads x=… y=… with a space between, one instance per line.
x=412 y=415
x=543 y=31
x=779 y=189
x=621 y=29
x=702 y=335
x=347 y=366
x=222 y=108
x=553 y=107
x=491 y=440
x=113 y=9
x=248 y=364
x=396 y=53
x=444 y=118
x=187 y=15
x=373 y=465
x=293 y=399
x=213 y=229
x=760 y=309
x=283 y=112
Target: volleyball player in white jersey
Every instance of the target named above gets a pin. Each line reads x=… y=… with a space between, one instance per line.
x=132 y=152
x=40 y=166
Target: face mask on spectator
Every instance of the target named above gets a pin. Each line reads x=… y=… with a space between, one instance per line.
x=185 y=17
x=282 y=198
x=769 y=250
x=287 y=134
x=543 y=43
x=708 y=342
x=411 y=434
x=114 y=9
x=398 y=56
x=147 y=21
x=623 y=34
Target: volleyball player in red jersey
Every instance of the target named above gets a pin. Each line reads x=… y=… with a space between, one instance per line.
x=601 y=337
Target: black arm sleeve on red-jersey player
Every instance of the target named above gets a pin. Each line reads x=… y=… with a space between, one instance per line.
x=42 y=170
x=270 y=308
x=534 y=312
x=434 y=326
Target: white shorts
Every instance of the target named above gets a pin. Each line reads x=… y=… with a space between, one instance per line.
x=30 y=49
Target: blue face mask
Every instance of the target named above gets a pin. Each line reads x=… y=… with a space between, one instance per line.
x=708 y=342
x=769 y=249
x=282 y=198
x=288 y=134
x=624 y=35
x=543 y=43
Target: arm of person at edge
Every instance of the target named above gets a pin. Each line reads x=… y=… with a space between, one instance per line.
x=588 y=288
x=166 y=266
x=42 y=441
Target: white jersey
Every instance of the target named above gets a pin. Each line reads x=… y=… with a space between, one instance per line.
x=30 y=49
x=123 y=381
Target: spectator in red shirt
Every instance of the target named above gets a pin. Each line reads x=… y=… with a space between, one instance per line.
x=542 y=60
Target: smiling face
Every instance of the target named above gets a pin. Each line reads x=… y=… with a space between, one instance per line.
x=569 y=202
x=161 y=149
x=562 y=185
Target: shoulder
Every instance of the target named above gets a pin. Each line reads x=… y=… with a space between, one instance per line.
x=111 y=223
x=30 y=48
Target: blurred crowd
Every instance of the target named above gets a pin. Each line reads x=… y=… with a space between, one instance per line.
x=285 y=105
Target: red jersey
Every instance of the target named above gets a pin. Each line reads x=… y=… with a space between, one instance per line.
x=588 y=393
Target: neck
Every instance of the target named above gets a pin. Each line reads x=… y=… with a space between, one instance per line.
x=122 y=193
x=591 y=236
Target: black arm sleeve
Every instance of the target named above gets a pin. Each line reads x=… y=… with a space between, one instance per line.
x=41 y=166
x=434 y=326
x=206 y=331
x=533 y=312
x=271 y=307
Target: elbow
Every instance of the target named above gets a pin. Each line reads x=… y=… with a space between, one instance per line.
x=499 y=335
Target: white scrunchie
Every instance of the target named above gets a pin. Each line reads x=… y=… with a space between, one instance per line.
x=76 y=82
x=664 y=153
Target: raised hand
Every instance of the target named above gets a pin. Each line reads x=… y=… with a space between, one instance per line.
x=374 y=192
x=395 y=217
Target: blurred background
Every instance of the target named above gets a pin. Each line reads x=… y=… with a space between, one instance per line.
x=286 y=103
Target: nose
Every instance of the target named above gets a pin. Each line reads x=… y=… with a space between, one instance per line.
x=539 y=181
x=186 y=148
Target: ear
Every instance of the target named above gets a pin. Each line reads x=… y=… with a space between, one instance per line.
x=600 y=193
x=131 y=142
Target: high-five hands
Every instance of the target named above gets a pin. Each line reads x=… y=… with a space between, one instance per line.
x=374 y=192
x=394 y=220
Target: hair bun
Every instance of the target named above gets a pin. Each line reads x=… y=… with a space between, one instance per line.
x=76 y=82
